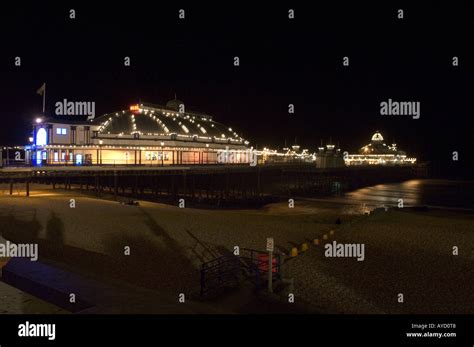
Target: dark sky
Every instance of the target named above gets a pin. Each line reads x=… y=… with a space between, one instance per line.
x=282 y=62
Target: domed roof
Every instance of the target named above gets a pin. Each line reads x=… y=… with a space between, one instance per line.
x=174 y=104
x=377 y=146
x=163 y=122
x=377 y=137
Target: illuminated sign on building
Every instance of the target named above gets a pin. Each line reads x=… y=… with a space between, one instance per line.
x=135 y=108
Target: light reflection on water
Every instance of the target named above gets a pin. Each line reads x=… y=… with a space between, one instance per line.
x=444 y=193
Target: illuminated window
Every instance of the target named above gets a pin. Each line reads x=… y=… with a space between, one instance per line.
x=38 y=157
x=61 y=131
x=78 y=159
x=41 y=137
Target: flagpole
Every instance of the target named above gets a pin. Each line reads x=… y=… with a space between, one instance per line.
x=44 y=97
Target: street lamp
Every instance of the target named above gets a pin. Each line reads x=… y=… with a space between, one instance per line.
x=100 y=151
x=162 y=159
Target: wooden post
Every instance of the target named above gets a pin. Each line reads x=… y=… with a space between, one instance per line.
x=270 y=248
x=270 y=272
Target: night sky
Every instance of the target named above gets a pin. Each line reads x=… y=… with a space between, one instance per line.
x=282 y=61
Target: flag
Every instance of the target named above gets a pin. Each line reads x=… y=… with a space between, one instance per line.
x=41 y=89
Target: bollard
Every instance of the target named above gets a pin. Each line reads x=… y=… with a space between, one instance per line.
x=294 y=252
x=304 y=247
x=316 y=242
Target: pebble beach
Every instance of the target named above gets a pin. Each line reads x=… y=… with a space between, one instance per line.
x=406 y=252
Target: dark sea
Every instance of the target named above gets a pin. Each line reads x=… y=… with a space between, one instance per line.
x=426 y=192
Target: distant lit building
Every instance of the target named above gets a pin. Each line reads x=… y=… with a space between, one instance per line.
x=378 y=153
x=293 y=154
x=142 y=135
x=329 y=157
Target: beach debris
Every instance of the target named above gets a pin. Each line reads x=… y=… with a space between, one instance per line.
x=316 y=242
x=304 y=247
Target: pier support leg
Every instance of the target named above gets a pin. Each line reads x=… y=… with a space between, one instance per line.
x=184 y=184
x=115 y=185
x=97 y=188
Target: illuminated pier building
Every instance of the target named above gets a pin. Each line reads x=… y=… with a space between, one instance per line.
x=378 y=153
x=156 y=135
x=142 y=135
x=326 y=157
x=329 y=157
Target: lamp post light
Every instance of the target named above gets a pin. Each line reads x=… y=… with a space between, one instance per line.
x=162 y=158
x=28 y=153
x=100 y=151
